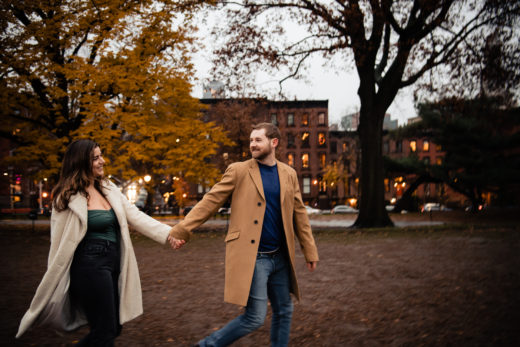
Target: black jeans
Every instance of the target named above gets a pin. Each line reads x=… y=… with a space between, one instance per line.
x=94 y=275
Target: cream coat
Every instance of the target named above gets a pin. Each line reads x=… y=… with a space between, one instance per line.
x=50 y=305
x=242 y=181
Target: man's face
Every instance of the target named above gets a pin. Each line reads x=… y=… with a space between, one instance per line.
x=259 y=145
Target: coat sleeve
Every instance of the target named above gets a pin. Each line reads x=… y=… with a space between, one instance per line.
x=208 y=206
x=143 y=223
x=302 y=226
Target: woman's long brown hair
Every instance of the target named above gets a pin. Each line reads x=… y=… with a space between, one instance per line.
x=76 y=173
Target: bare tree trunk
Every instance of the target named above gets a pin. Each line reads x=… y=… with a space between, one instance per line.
x=372 y=212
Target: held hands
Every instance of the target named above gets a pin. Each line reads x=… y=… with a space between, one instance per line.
x=174 y=243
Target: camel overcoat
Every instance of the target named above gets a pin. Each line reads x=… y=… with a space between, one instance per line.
x=51 y=305
x=242 y=181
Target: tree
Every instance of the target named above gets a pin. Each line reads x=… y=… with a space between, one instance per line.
x=115 y=71
x=480 y=139
x=235 y=116
x=392 y=44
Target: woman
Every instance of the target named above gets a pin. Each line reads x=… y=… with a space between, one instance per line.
x=92 y=273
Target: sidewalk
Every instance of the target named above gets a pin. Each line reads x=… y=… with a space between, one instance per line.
x=317 y=222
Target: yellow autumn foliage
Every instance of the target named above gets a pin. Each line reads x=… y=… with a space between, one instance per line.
x=114 y=71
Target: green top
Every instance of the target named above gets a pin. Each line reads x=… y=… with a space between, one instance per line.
x=102 y=224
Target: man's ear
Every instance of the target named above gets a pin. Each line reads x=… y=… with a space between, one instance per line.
x=274 y=142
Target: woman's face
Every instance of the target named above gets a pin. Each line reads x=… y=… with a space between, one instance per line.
x=97 y=163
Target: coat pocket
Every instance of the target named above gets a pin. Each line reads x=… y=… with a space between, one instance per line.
x=232 y=236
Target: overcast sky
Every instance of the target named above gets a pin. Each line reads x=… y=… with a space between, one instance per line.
x=337 y=85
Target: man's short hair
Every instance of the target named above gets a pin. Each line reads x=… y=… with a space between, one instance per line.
x=271 y=130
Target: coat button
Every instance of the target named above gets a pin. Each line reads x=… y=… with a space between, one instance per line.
x=256 y=222
x=252 y=241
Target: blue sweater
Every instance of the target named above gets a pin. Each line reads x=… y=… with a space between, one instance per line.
x=272 y=229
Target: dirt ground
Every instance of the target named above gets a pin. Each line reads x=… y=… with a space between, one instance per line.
x=443 y=286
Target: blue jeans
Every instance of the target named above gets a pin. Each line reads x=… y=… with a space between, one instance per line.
x=94 y=275
x=271 y=281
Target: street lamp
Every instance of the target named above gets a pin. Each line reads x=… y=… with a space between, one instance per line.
x=147 y=178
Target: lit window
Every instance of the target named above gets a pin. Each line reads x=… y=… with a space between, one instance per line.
x=290 y=159
x=344 y=147
x=426 y=146
x=322 y=185
x=438 y=160
x=413 y=145
x=305 y=160
x=306 y=185
x=305 y=139
x=438 y=148
x=321 y=118
x=305 y=119
x=322 y=139
x=323 y=159
x=290 y=119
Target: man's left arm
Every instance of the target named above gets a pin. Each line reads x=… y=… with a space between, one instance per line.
x=302 y=228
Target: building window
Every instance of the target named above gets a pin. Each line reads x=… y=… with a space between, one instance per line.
x=413 y=146
x=290 y=159
x=333 y=147
x=306 y=185
x=290 y=140
x=344 y=147
x=321 y=118
x=290 y=119
x=322 y=140
x=305 y=139
x=426 y=146
x=322 y=185
x=386 y=147
x=426 y=160
x=438 y=160
x=305 y=119
x=323 y=159
x=305 y=160
x=274 y=119
x=438 y=148
x=399 y=146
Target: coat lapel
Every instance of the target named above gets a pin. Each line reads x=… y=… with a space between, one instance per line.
x=254 y=172
x=78 y=205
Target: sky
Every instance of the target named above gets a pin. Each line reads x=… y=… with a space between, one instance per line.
x=338 y=86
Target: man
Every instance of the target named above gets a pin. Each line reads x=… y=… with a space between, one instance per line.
x=267 y=212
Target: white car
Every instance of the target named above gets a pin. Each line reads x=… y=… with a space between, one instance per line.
x=338 y=209
x=312 y=210
x=434 y=206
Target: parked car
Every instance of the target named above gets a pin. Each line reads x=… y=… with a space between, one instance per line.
x=338 y=209
x=434 y=206
x=224 y=210
x=312 y=210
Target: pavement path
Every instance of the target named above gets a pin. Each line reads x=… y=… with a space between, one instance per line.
x=333 y=222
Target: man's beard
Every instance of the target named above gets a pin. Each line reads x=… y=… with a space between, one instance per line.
x=262 y=154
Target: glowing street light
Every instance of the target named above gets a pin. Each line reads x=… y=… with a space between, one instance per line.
x=147 y=178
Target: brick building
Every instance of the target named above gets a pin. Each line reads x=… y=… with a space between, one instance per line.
x=305 y=138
